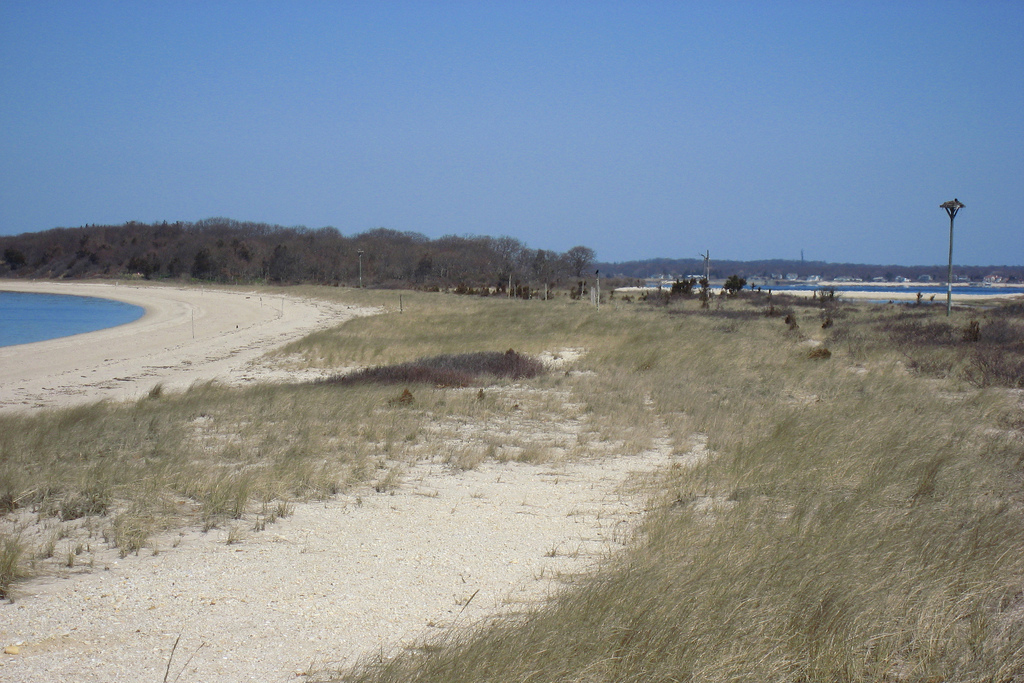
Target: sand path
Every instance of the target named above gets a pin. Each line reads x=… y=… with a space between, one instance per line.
x=359 y=575
x=186 y=335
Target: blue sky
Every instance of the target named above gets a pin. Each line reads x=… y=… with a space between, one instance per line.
x=641 y=129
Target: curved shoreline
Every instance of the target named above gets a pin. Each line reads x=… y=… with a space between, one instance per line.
x=186 y=335
x=136 y=312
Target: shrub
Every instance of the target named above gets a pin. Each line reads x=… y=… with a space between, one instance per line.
x=825 y=294
x=11 y=551
x=450 y=370
x=991 y=367
x=972 y=332
x=734 y=284
x=84 y=503
x=404 y=399
x=683 y=287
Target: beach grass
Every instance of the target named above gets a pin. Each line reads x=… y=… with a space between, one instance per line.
x=848 y=516
x=858 y=516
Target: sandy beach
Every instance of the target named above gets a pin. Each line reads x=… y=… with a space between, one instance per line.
x=360 y=574
x=187 y=334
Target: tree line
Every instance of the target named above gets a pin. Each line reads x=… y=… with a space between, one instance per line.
x=228 y=251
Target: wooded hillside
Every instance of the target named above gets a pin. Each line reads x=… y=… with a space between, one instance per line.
x=224 y=250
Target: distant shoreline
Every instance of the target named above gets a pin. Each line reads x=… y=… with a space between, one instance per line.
x=186 y=335
x=874 y=291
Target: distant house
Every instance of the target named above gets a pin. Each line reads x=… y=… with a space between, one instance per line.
x=792 y=276
x=878 y=278
x=924 y=278
x=900 y=278
x=814 y=278
x=993 y=279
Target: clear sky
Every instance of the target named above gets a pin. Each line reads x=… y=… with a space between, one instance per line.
x=641 y=129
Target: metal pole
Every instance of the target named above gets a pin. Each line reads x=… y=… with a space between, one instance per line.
x=951 y=208
x=949 y=272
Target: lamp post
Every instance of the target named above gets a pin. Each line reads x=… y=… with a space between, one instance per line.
x=360 y=268
x=951 y=208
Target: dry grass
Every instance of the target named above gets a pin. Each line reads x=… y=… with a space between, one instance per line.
x=858 y=516
x=853 y=523
x=210 y=456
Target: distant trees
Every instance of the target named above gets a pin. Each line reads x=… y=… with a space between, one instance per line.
x=684 y=287
x=580 y=259
x=225 y=250
x=14 y=258
x=733 y=284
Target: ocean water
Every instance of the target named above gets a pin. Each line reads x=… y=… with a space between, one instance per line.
x=26 y=318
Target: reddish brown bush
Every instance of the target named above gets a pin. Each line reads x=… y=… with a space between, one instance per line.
x=458 y=370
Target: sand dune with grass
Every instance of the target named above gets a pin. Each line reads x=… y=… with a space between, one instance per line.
x=437 y=540
x=363 y=574
x=187 y=334
x=853 y=511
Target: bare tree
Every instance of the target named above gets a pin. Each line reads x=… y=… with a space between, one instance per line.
x=579 y=260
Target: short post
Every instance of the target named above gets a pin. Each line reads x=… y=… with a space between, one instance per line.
x=951 y=208
x=360 y=269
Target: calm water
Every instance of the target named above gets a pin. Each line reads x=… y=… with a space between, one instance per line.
x=882 y=290
x=28 y=318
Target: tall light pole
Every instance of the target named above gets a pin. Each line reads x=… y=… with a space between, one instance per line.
x=951 y=208
x=360 y=269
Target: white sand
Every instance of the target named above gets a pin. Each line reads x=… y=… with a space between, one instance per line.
x=187 y=335
x=360 y=575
